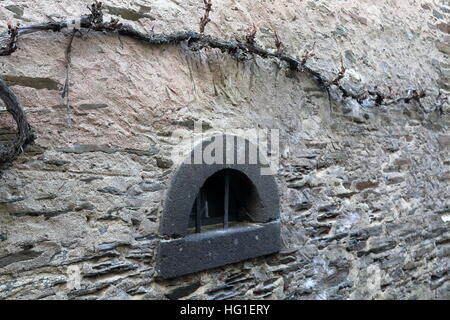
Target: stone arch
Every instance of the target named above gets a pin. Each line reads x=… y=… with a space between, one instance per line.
x=190 y=177
x=184 y=253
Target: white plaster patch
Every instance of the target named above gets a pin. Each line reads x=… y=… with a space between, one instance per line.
x=73 y=277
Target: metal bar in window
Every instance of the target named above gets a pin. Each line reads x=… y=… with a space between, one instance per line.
x=226 y=201
x=199 y=212
x=206 y=208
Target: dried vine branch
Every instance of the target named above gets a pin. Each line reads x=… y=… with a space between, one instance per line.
x=96 y=15
x=8 y=152
x=340 y=75
x=308 y=54
x=13 y=33
x=251 y=35
x=205 y=19
x=278 y=44
x=66 y=89
x=230 y=47
x=196 y=41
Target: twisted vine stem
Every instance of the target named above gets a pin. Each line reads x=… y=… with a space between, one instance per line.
x=8 y=152
x=240 y=51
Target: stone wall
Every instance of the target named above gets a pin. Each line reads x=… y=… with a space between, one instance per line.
x=364 y=192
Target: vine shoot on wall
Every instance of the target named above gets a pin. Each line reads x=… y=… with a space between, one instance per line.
x=239 y=50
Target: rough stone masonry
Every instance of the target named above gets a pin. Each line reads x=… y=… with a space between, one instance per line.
x=365 y=192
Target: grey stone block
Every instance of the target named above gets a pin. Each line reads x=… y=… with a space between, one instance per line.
x=208 y=250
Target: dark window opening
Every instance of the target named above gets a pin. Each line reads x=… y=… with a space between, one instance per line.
x=226 y=198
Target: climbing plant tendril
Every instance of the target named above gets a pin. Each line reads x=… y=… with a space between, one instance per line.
x=8 y=152
x=195 y=41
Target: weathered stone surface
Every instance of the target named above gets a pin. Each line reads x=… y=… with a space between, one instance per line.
x=378 y=247
x=56 y=162
x=189 y=123
x=80 y=210
x=183 y=291
x=15 y=9
x=127 y=14
x=366 y=185
x=111 y=190
x=444 y=141
x=208 y=250
x=328 y=215
x=444 y=27
x=84 y=107
x=109 y=267
x=164 y=163
x=443 y=47
x=12 y=200
x=36 y=83
x=17 y=257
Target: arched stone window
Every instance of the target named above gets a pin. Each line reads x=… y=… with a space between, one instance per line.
x=227 y=198
x=218 y=213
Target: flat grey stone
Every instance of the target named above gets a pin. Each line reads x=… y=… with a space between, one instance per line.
x=208 y=250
